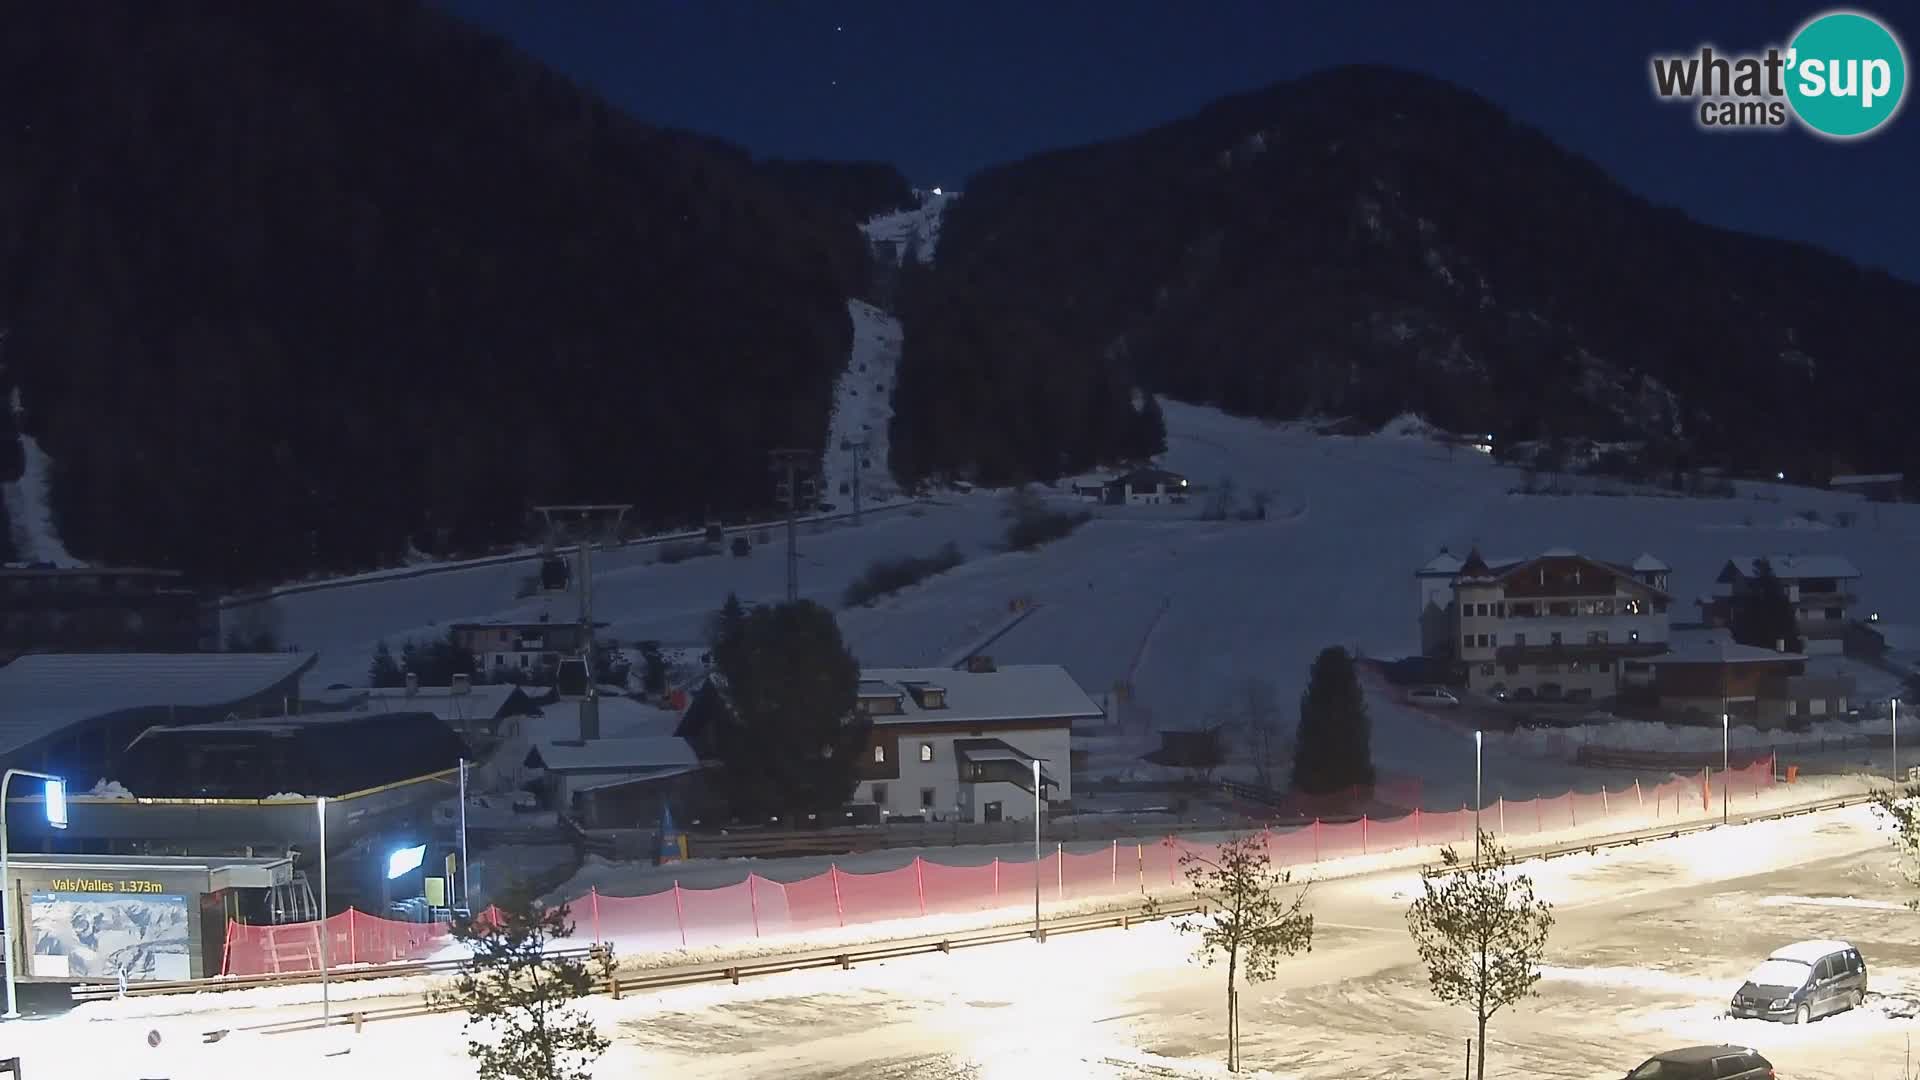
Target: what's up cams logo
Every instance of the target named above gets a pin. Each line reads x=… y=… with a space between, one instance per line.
x=1842 y=76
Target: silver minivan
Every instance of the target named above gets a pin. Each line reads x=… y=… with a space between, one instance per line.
x=1803 y=982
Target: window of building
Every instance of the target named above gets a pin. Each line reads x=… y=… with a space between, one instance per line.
x=926 y=751
x=880 y=794
x=1793 y=708
x=1817 y=707
x=1519 y=639
x=1554 y=637
x=1596 y=637
x=1486 y=641
x=1523 y=611
x=1833 y=612
x=1560 y=607
x=1513 y=669
x=926 y=798
x=1486 y=669
x=1576 y=668
x=879 y=755
x=1843 y=705
x=1466 y=641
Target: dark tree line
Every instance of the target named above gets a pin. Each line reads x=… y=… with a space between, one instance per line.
x=1338 y=246
x=285 y=290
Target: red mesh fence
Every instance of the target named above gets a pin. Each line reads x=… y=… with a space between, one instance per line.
x=758 y=907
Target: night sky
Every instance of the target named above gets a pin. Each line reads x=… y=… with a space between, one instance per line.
x=944 y=89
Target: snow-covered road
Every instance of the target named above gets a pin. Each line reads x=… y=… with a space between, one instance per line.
x=1650 y=942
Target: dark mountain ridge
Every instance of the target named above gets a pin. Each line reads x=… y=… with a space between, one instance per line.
x=288 y=289
x=1367 y=241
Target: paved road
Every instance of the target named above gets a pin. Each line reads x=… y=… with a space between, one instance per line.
x=1650 y=942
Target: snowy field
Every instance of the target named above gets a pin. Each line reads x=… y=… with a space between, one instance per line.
x=1649 y=944
x=1351 y=519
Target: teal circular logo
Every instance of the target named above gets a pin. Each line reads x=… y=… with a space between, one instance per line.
x=1847 y=74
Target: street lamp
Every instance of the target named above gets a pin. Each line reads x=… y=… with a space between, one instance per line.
x=1476 y=797
x=56 y=806
x=466 y=898
x=1896 y=739
x=1725 y=770
x=326 y=933
x=1037 y=936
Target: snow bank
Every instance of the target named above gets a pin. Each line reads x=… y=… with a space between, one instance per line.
x=1637 y=735
x=110 y=789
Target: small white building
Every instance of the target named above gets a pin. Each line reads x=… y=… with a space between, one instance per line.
x=959 y=744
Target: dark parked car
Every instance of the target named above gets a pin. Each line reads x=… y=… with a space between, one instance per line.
x=1803 y=982
x=1705 y=1063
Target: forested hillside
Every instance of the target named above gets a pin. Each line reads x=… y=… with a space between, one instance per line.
x=289 y=287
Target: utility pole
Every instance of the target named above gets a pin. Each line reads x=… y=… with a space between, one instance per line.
x=859 y=461
x=789 y=491
x=615 y=513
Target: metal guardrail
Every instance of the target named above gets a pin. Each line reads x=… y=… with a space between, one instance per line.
x=1664 y=832
x=617 y=985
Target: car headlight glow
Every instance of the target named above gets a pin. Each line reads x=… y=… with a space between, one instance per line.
x=1778 y=1003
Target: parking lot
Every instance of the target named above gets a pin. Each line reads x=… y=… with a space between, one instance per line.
x=1651 y=944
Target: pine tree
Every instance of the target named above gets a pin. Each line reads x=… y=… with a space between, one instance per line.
x=519 y=993
x=1763 y=617
x=795 y=740
x=385 y=670
x=1333 y=747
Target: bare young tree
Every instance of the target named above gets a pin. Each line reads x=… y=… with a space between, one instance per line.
x=1898 y=811
x=1252 y=708
x=1250 y=920
x=522 y=994
x=1481 y=933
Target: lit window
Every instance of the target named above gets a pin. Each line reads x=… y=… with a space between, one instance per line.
x=926 y=751
x=879 y=755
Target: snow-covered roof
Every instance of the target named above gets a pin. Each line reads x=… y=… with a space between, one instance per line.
x=620 y=718
x=1015 y=692
x=1796 y=567
x=1719 y=651
x=1808 y=952
x=663 y=773
x=42 y=693
x=1868 y=478
x=1647 y=564
x=1559 y=553
x=615 y=755
x=475 y=703
x=1443 y=564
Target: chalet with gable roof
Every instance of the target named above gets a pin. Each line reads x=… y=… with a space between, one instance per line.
x=1820 y=587
x=1558 y=625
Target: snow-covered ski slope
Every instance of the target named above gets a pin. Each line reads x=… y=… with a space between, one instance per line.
x=1350 y=521
x=862 y=408
x=29 y=510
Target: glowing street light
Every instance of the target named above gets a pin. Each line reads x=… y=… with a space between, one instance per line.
x=56 y=805
x=1476 y=796
x=1725 y=771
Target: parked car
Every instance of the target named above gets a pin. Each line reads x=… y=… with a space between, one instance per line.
x=1705 y=1063
x=1803 y=982
x=1432 y=697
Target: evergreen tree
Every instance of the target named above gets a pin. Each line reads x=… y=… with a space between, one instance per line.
x=1147 y=432
x=1333 y=748
x=385 y=670
x=706 y=721
x=795 y=740
x=653 y=670
x=1763 y=616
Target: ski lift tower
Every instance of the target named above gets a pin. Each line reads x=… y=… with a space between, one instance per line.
x=793 y=490
x=578 y=522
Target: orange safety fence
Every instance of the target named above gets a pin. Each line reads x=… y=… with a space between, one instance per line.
x=691 y=918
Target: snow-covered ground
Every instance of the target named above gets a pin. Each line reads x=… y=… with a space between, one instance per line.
x=1241 y=598
x=1648 y=945
x=29 y=511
